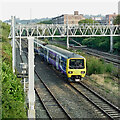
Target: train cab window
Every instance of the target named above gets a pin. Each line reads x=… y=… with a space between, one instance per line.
x=76 y=63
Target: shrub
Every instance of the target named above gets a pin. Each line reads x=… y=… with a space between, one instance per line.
x=109 y=68
x=13 y=97
x=12 y=94
x=94 y=66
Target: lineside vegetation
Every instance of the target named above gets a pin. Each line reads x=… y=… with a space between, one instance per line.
x=13 y=97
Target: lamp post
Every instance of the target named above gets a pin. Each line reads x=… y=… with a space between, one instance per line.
x=111 y=37
x=67 y=33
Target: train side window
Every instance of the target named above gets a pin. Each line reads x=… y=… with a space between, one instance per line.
x=52 y=56
x=41 y=49
x=45 y=52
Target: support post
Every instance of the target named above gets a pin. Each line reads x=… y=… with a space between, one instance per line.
x=67 y=42
x=37 y=36
x=67 y=33
x=13 y=43
x=31 y=92
x=20 y=40
x=52 y=31
x=111 y=37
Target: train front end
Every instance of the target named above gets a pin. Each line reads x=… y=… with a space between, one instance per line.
x=76 y=69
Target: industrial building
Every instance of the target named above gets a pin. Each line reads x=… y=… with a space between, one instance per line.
x=71 y=18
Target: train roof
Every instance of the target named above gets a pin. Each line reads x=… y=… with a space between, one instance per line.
x=64 y=52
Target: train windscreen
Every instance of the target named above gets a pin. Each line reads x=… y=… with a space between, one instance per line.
x=76 y=63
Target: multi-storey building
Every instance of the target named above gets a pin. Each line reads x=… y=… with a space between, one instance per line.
x=110 y=17
x=71 y=19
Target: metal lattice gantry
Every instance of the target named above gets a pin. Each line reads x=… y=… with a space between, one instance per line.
x=59 y=30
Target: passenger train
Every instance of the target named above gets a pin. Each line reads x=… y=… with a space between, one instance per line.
x=70 y=64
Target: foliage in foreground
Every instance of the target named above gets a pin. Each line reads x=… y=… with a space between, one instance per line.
x=12 y=91
x=13 y=97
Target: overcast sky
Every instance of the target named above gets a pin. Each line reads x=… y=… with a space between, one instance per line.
x=52 y=8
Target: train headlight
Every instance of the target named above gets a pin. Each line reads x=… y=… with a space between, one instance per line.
x=82 y=72
x=70 y=72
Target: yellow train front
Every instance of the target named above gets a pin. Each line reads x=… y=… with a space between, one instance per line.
x=76 y=68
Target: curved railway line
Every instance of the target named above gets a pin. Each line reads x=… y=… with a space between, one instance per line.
x=52 y=104
x=115 y=59
x=98 y=101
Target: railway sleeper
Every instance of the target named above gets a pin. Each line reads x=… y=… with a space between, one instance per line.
x=97 y=101
x=113 y=113
x=103 y=105
x=109 y=110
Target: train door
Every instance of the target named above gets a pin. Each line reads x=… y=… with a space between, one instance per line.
x=57 y=61
x=47 y=55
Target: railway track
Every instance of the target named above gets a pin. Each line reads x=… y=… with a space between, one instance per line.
x=115 y=59
x=51 y=105
x=107 y=108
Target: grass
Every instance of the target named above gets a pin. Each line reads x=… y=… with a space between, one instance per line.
x=106 y=80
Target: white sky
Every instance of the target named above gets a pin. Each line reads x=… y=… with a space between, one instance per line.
x=52 y=8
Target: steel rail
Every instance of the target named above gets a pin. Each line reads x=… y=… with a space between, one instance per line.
x=114 y=111
x=108 y=57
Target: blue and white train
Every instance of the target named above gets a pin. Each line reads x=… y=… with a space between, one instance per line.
x=70 y=64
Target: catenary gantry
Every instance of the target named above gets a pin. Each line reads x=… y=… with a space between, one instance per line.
x=60 y=30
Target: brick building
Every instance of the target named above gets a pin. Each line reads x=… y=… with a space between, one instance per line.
x=109 y=17
x=72 y=19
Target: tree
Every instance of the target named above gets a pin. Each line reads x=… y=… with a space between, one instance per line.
x=46 y=22
x=116 y=21
x=88 y=21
